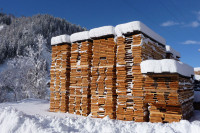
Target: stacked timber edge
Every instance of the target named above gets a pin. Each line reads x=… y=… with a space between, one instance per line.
x=125 y=72
x=169 y=93
x=132 y=49
x=60 y=74
x=80 y=81
x=103 y=83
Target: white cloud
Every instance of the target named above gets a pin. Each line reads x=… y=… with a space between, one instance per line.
x=191 y=42
x=198 y=15
x=194 y=24
x=169 y=23
x=199 y=50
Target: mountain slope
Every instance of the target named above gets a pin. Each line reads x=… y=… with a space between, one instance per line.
x=25 y=54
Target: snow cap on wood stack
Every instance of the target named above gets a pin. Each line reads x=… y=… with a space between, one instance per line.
x=60 y=39
x=80 y=36
x=166 y=65
x=102 y=31
x=169 y=49
x=197 y=69
x=138 y=26
x=197 y=77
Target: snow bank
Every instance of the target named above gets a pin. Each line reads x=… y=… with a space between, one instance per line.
x=138 y=26
x=197 y=77
x=169 y=49
x=196 y=96
x=13 y=120
x=166 y=65
x=197 y=69
x=102 y=31
x=79 y=36
x=60 y=39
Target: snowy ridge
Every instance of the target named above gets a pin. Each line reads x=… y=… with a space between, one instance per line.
x=60 y=39
x=169 y=49
x=79 y=36
x=102 y=31
x=138 y=26
x=33 y=116
x=166 y=65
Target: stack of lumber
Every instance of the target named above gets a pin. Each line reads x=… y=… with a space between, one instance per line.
x=60 y=74
x=103 y=84
x=131 y=51
x=170 y=97
x=197 y=72
x=79 y=99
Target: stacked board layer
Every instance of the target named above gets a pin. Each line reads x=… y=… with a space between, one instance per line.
x=79 y=98
x=102 y=76
x=103 y=84
x=170 y=97
x=131 y=51
x=60 y=74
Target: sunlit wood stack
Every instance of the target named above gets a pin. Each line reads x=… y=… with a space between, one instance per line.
x=99 y=72
x=103 y=85
x=131 y=51
x=79 y=99
x=60 y=73
x=170 y=97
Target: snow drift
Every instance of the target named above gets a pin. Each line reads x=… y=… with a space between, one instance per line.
x=33 y=116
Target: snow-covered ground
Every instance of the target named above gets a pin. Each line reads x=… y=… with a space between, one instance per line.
x=32 y=116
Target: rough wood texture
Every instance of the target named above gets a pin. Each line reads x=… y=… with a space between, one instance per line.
x=60 y=74
x=103 y=85
x=79 y=99
x=105 y=79
x=170 y=97
x=131 y=51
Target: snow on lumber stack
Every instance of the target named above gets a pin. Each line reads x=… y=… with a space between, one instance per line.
x=80 y=36
x=138 y=26
x=197 y=70
x=166 y=65
x=103 y=85
x=102 y=31
x=197 y=77
x=169 y=49
x=80 y=75
x=60 y=39
x=60 y=73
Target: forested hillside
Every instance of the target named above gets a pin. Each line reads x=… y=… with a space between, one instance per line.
x=25 y=54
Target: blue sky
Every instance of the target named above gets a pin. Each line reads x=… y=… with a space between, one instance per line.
x=178 y=21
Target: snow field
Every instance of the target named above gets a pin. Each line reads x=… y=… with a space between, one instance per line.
x=32 y=116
